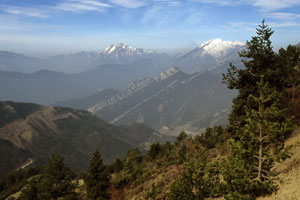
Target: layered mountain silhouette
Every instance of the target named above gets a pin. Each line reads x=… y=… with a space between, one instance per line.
x=171 y=101
x=46 y=87
x=31 y=131
x=10 y=61
x=200 y=58
x=115 y=67
x=82 y=61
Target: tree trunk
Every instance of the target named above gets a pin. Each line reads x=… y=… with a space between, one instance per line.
x=260 y=154
x=261 y=109
x=293 y=92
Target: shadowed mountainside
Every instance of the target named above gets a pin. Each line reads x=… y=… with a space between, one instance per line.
x=37 y=131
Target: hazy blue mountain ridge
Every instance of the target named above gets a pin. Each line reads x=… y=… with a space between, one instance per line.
x=174 y=100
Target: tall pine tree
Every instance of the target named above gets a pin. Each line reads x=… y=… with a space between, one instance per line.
x=256 y=121
x=97 y=178
x=259 y=59
x=55 y=182
x=248 y=171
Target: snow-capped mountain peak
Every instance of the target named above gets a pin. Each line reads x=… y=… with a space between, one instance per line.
x=124 y=48
x=207 y=55
x=218 y=47
x=122 y=53
x=110 y=49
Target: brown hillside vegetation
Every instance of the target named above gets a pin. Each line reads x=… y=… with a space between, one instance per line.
x=161 y=178
x=288 y=173
x=158 y=175
x=34 y=131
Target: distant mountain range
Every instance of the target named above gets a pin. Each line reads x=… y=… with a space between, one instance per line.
x=83 y=61
x=46 y=87
x=10 y=61
x=115 y=67
x=206 y=56
x=210 y=52
x=124 y=54
x=170 y=102
x=34 y=131
x=114 y=54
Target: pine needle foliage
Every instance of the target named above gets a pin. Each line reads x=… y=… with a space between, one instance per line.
x=97 y=178
x=55 y=182
x=198 y=180
x=257 y=122
x=258 y=58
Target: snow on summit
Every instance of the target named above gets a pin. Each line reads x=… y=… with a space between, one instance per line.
x=122 y=53
x=218 y=47
x=205 y=56
x=122 y=48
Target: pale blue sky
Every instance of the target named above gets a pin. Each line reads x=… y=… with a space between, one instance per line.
x=43 y=28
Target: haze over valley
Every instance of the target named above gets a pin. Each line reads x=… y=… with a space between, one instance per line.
x=123 y=83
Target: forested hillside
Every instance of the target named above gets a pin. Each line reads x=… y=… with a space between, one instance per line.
x=31 y=131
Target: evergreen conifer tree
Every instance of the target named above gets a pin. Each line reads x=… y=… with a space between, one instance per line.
x=182 y=135
x=248 y=171
x=133 y=164
x=259 y=59
x=198 y=180
x=56 y=180
x=184 y=186
x=97 y=178
x=155 y=150
x=118 y=165
x=182 y=151
x=30 y=192
x=257 y=120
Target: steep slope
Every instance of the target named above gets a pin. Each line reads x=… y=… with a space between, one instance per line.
x=11 y=156
x=174 y=100
x=74 y=134
x=209 y=54
x=138 y=91
x=288 y=173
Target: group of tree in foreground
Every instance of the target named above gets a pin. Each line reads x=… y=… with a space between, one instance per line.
x=235 y=162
